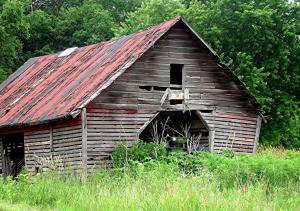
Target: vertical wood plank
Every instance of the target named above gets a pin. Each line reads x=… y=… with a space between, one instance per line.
x=2 y=158
x=51 y=138
x=211 y=139
x=257 y=132
x=84 y=139
x=183 y=77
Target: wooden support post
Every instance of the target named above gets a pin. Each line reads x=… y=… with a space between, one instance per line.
x=5 y=160
x=2 y=157
x=51 y=138
x=211 y=139
x=84 y=140
x=258 y=126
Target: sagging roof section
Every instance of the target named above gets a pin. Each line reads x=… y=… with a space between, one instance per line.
x=53 y=87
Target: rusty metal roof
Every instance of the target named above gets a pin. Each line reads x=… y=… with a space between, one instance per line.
x=53 y=87
x=59 y=85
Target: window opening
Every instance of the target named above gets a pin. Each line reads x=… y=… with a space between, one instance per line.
x=151 y=88
x=158 y=88
x=176 y=74
x=206 y=111
x=148 y=88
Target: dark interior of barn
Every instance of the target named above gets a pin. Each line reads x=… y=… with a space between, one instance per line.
x=178 y=130
x=12 y=153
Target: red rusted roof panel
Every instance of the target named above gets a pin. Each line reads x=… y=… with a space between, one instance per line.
x=51 y=87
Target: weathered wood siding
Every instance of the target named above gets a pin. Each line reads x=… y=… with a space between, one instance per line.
x=58 y=144
x=37 y=147
x=224 y=106
x=235 y=131
x=107 y=127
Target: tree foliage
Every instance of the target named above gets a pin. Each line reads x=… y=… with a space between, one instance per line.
x=150 y=13
x=259 y=40
x=13 y=28
x=82 y=25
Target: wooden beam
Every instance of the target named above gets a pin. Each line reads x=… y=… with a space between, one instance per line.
x=84 y=140
x=198 y=113
x=257 y=132
x=164 y=97
x=145 y=125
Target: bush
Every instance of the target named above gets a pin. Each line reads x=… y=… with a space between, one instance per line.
x=140 y=151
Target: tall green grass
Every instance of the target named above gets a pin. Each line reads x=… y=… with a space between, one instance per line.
x=174 y=182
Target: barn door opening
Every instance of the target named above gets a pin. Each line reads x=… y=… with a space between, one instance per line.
x=178 y=130
x=12 y=153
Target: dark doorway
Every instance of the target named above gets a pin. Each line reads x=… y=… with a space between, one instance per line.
x=12 y=153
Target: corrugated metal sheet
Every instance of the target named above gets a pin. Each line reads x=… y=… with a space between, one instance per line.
x=51 y=87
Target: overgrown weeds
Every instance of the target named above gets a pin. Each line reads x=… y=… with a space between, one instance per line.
x=146 y=177
x=229 y=169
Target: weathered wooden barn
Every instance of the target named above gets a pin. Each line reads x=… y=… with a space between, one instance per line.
x=73 y=107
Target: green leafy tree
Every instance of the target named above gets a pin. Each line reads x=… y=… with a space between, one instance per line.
x=150 y=13
x=260 y=41
x=13 y=28
x=42 y=35
x=53 y=6
x=82 y=25
x=78 y=25
x=120 y=8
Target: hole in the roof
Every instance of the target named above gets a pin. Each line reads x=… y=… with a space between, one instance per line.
x=67 y=52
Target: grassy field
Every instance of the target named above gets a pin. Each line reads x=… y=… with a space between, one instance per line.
x=266 y=181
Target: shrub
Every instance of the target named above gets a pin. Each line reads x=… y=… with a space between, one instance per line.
x=141 y=152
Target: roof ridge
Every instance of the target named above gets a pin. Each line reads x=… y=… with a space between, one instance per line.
x=117 y=38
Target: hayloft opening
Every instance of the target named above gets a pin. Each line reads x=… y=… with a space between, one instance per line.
x=176 y=74
x=177 y=130
x=12 y=154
